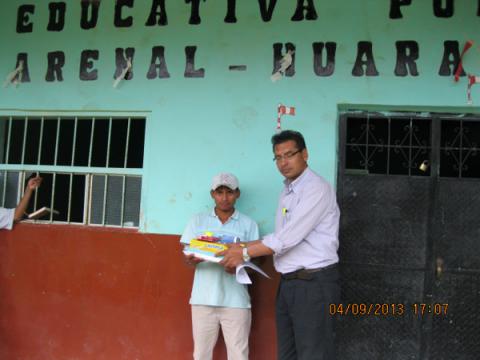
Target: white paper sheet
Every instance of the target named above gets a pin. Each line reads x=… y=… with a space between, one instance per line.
x=242 y=275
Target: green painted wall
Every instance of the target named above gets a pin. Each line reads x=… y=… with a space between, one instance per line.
x=223 y=122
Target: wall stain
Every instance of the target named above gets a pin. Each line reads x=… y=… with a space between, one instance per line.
x=245 y=117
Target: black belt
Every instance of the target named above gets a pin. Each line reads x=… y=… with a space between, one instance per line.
x=305 y=274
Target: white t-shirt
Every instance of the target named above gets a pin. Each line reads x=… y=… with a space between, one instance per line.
x=6 y=218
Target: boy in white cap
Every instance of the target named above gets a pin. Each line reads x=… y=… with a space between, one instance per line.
x=9 y=216
x=217 y=299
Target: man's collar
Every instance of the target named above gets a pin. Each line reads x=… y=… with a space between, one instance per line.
x=234 y=216
x=293 y=185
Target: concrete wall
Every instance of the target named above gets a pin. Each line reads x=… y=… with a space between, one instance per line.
x=198 y=126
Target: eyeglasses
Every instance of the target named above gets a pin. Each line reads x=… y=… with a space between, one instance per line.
x=286 y=156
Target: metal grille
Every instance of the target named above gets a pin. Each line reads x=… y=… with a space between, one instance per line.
x=388 y=145
x=460 y=149
x=383 y=256
x=68 y=194
x=457 y=218
x=411 y=240
x=379 y=336
x=73 y=141
x=133 y=190
x=64 y=147
x=401 y=144
x=457 y=335
x=98 y=199
x=372 y=235
x=115 y=200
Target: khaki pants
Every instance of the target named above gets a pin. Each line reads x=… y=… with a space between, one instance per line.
x=235 y=323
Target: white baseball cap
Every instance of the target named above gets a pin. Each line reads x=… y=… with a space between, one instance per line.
x=225 y=179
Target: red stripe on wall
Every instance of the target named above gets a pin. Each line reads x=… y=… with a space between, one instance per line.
x=84 y=293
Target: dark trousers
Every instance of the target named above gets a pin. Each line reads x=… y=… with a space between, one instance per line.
x=305 y=328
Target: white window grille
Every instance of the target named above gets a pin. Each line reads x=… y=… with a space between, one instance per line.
x=91 y=167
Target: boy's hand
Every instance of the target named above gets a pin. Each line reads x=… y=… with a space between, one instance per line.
x=191 y=260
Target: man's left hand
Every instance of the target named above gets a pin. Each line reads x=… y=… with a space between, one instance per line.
x=232 y=257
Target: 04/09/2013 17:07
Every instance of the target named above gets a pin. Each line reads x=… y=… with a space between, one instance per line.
x=388 y=309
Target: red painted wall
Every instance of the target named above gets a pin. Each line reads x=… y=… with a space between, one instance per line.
x=84 y=293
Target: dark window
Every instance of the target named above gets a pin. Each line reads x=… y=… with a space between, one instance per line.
x=135 y=144
x=388 y=145
x=100 y=143
x=118 y=143
x=459 y=148
x=34 y=127
x=82 y=142
x=65 y=142
x=95 y=142
x=16 y=138
x=49 y=136
x=402 y=144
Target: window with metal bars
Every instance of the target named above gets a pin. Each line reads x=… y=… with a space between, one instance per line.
x=388 y=145
x=460 y=148
x=91 y=167
x=401 y=144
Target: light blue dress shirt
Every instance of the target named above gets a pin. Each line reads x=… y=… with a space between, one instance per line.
x=212 y=285
x=306 y=225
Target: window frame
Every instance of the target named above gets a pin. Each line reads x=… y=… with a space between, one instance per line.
x=436 y=146
x=88 y=171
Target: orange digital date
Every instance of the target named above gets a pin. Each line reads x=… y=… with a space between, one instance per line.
x=388 y=309
x=364 y=309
